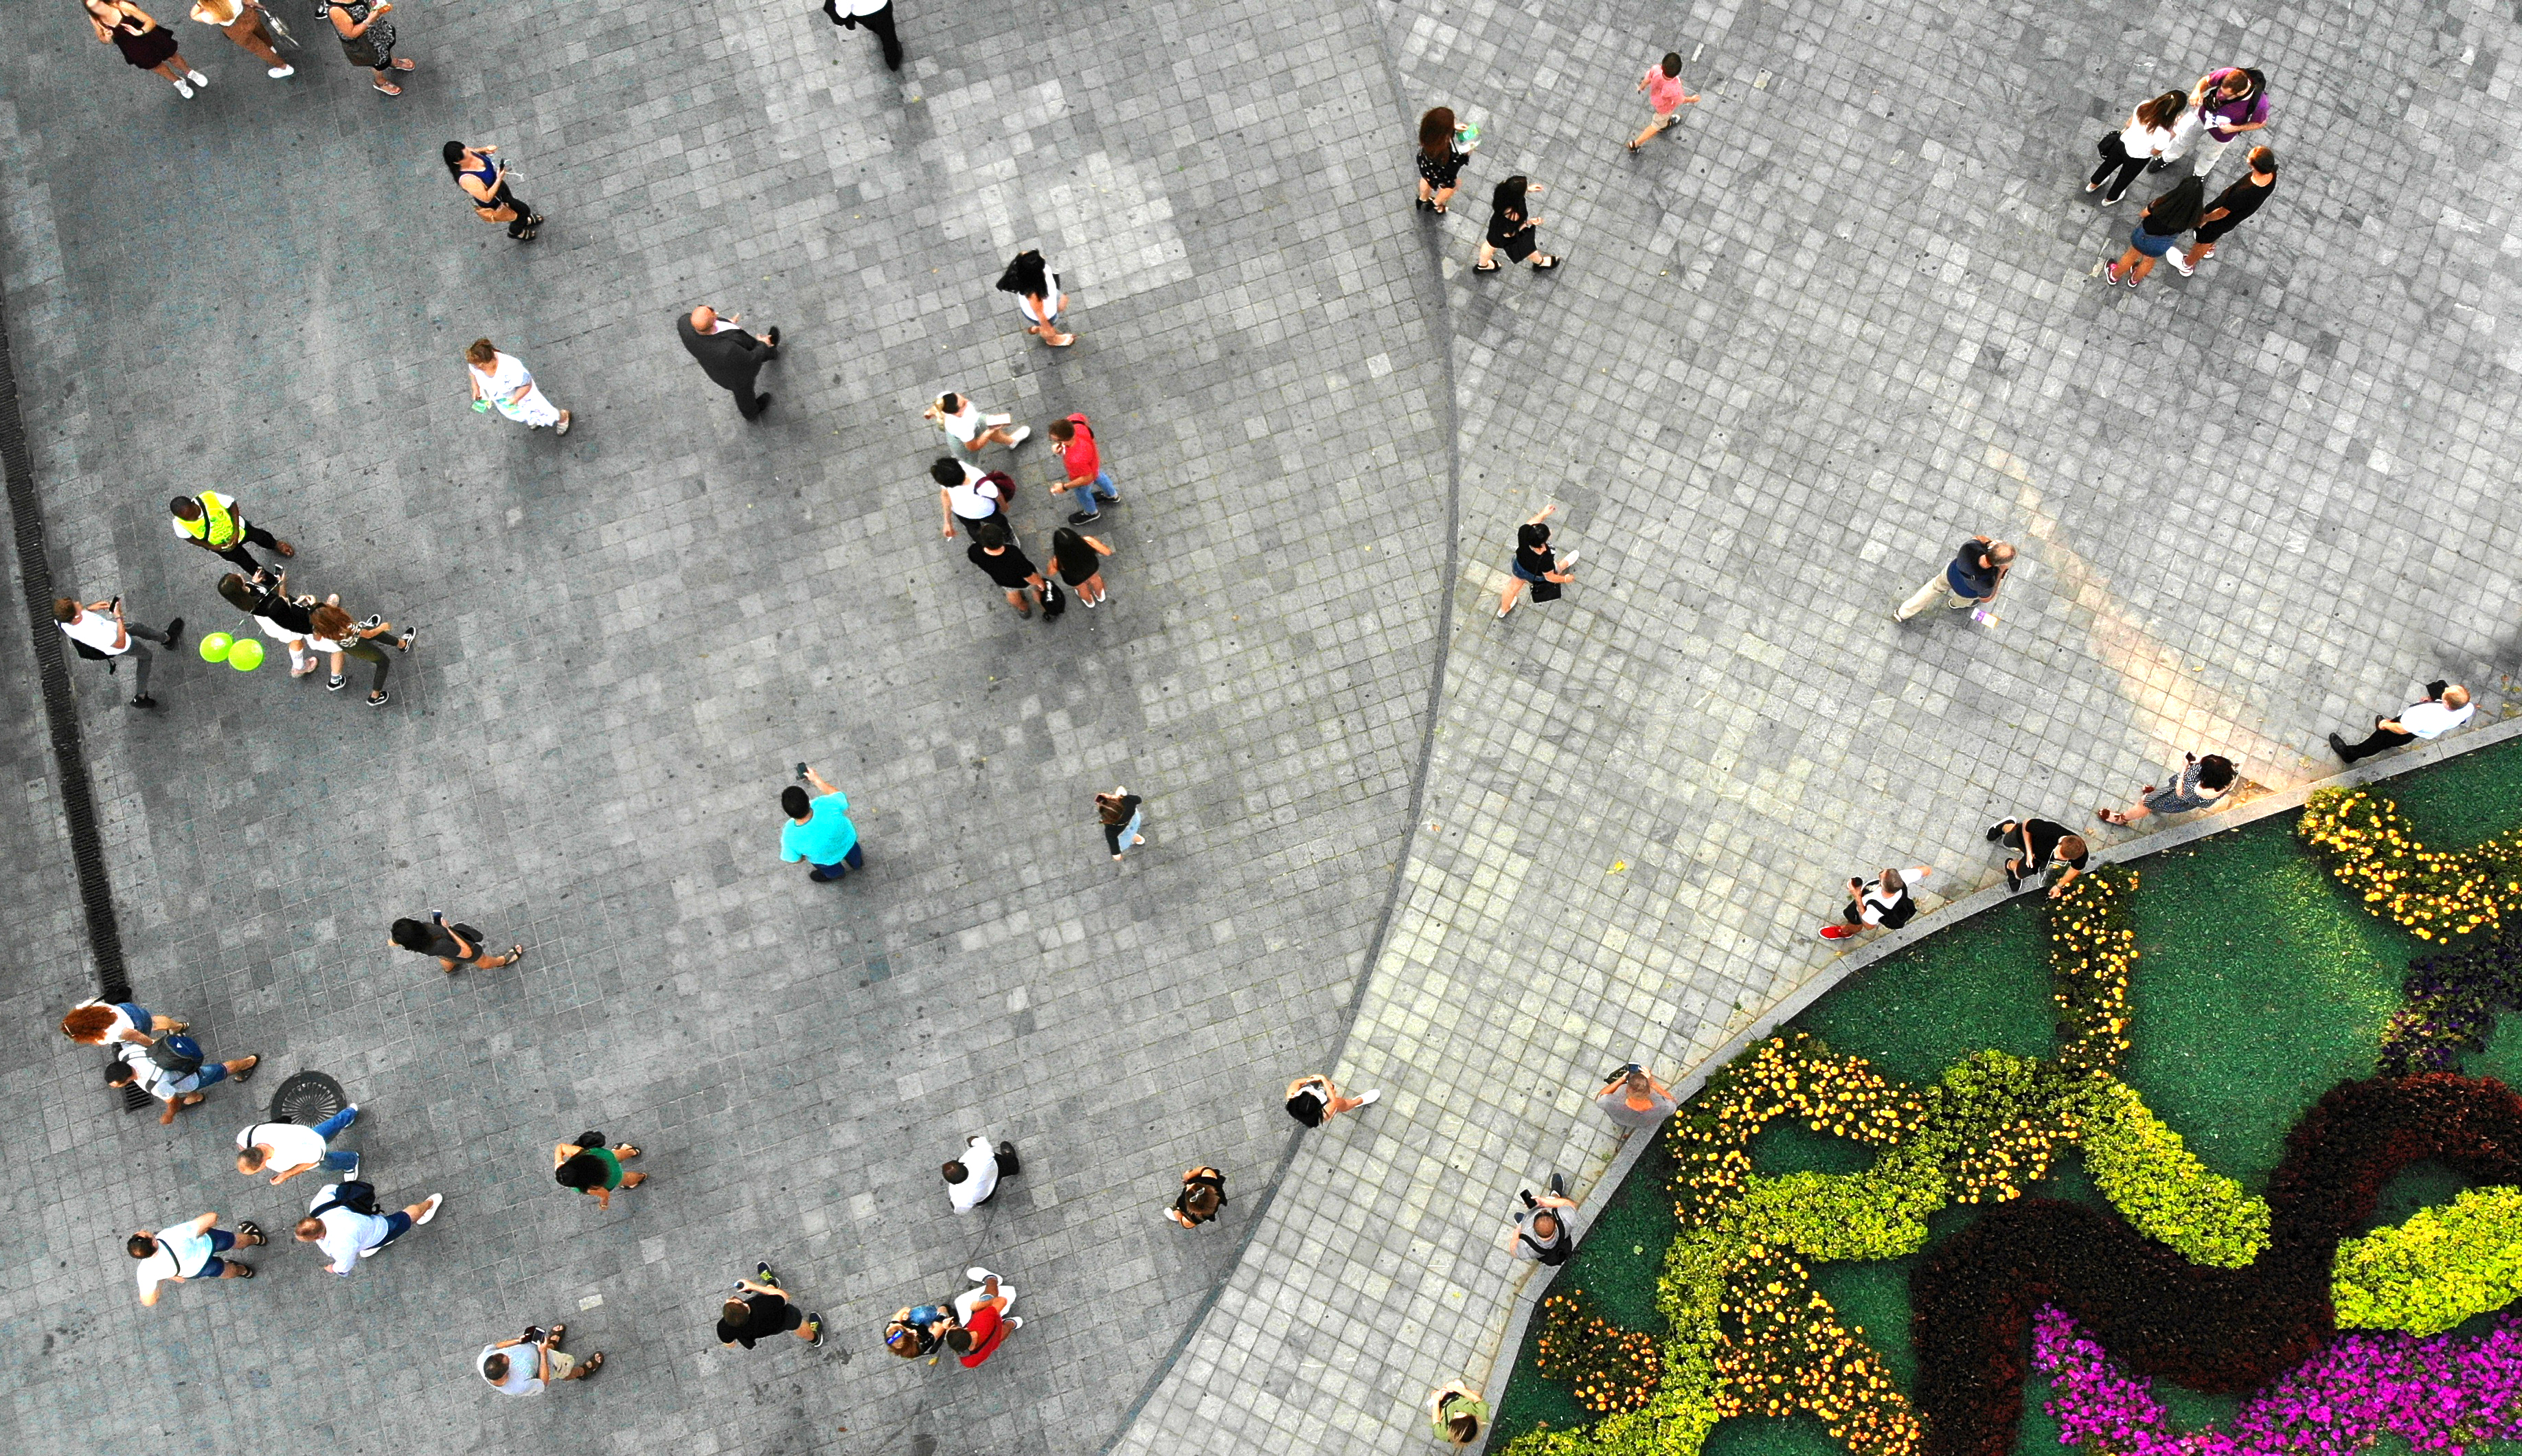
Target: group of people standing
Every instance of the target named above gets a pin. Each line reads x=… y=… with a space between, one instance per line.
x=2224 y=106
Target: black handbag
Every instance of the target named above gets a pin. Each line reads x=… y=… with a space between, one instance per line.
x=1545 y=590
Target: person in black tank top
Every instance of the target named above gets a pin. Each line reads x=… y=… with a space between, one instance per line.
x=1203 y=1194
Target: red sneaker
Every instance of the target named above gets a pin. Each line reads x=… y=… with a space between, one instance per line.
x=1838 y=932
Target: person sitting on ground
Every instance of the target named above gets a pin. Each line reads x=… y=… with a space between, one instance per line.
x=2033 y=844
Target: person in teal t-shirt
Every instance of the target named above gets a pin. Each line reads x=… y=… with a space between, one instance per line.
x=818 y=830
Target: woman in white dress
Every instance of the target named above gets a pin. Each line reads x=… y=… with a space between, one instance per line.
x=501 y=382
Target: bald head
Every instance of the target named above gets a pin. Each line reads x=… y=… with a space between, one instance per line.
x=704 y=318
x=2455 y=696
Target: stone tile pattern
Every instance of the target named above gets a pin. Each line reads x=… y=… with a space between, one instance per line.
x=1836 y=321
x=628 y=635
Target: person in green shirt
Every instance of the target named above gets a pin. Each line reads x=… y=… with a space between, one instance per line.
x=1456 y=1413
x=818 y=830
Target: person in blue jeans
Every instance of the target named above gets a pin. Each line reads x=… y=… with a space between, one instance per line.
x=286 y=1149
x=133 y=1065
x=818 y=830
x=190 y=1251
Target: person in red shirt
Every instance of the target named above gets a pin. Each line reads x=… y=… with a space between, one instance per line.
x=1074 y=439
x=986 y=1324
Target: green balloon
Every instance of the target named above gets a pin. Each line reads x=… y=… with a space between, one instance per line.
x=245 y=655
x=214 y=648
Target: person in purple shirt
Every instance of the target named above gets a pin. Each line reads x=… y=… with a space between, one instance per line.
x=2228 y=103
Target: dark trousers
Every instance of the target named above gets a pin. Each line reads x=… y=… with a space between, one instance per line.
x=856 y=858
x=747 y=402
x=2115 y=158
x=880 y=24
x=2382 y=738
x=140 y=656
x=371 y=652
x=253 y=536
x=524 y=222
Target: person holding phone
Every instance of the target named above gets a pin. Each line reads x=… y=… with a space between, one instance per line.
x=97 y=630
x=1634 y=1099
x=242 y=20
x=1534 y=564
x=818 y=830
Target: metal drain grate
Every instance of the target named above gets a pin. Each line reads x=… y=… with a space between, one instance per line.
x=307 y=1098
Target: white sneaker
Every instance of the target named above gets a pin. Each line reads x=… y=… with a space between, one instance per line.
x=998 y=419
x=1023 y=434
x=183 y=90
x=198 y=79
x=1370 y=1098
x=428 y=1210
x=2180 y=263
x=281 y=72
x=1015 y=1322
x=978 y=1275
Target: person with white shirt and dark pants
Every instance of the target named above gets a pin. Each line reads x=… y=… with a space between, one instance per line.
x=97 y=630
x=972 y=1179
x=348 y=1234
x=2445 y=707
x=876 y=16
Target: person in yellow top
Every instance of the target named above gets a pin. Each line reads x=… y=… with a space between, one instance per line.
x=242 y=20
x=212 y=522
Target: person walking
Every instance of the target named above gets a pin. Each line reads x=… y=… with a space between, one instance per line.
x=959 y=416
x=1513 y=228
x=242 y=20
x=285 y=1150
x=333 y=632
x=917 y=1329
x=1121 y=813
x=1202 y=1194
x=1969 y=579
x=877 y=16
x=190 y=1251
x=1039 y=297
x=1457 y=1412
x=969 y=495
x=1313 y=1101
x=995 y=552
x=1540 y=1232
x=1078 y=559
x=368 y=40
x=345 y=1224
x=1883 y=903
x=1535 y=565
x=144 y=43
x=2231 y=208
x=2140 y=139
x=2445 y=707
x=172 y=1069
x=452 y=944
x=1634 y=1099
x=215 y=523
x=485 y=183
x=277 y=615
x=728 y=354
x=97 y=631
x=2201 y=784
x=2032 y=845
x=2225 y=104
x=982 y=1321
x=1667 y=94
x=1074 y=439
x=2165 y=219
x=972 y=1179
x=1444 y=144
x=529 y=1364
x=759 y=1308
x=595 y=1169
x=501 y=382
x=108 y=1023
x=818 y=830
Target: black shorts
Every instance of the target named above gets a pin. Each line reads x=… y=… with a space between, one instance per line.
x=1519 y=244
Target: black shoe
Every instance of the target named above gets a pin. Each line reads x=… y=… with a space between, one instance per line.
x=1425 y=205
x=762 y=408
x=174 y=633
x=2338 y=745
x=1083 y=517
x=1557 y=1185
x=761 y=1272
x=376 y=699
x=144 y=702
x=2156 y=165
x=771 y=338
x=1994 y=831
x=2013 y=881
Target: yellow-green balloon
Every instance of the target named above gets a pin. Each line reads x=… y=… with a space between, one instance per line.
x=214 y=648
x=245 y=655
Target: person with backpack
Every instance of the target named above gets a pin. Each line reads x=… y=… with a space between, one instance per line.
x=286 y=1149
x=99 y=1023
x=972 y=1179
x=452 y=944
x=595 y=1169
x=917 y=1329
x=1203 y=1194
x=190 y=1251
x=344 y=1223
x=1074 y=439
x=98 y=633
x=971 y=495
x=1540 y=1233
x=1883 y=903
x=172 y=1069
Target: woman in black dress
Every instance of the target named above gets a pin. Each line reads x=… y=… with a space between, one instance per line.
x=1079 y=560
x=1441 y=150
x=1514 y=229
x=144 y=42
x=368 y=38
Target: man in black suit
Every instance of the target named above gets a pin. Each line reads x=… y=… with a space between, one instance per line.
x=729 y=355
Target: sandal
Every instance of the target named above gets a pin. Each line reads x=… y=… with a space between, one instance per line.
x=247 y=1074
x=515 y=953
x=389 y=90
x=284 y=548
x=626 y=1151
x=250 y=1231
x=2107 y=816
x=1544 y=268
x=405 y=62
x=589 y=1366
x=1484 y=267
x=243 y=1271
x=1438 y=209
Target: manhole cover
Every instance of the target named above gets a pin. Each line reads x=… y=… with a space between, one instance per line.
x=307 y=1098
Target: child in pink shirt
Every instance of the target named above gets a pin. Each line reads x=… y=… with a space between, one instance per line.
x=1663 y=88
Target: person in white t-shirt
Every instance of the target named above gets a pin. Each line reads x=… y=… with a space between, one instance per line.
x=2445 y=707
x=972 y=1179
x=348 y=1236
x=959 y=416
x=969 y=495
x=528 y=1364
x=98 y=626
x=190 y=1251
x=285 y=1150
x=877 y=16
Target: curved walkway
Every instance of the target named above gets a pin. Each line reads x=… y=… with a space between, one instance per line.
x=1838 y=319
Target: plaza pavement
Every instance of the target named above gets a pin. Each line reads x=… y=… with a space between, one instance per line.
x=1836 y=320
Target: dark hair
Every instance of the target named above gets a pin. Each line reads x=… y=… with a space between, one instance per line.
x=235 y=592
x=117 y=1073
x=1200 y=1200
x=582 y=1171
x=1464 y=1425
x=411 y=936
x=140 y=1246
x=735 y=1311
x=793 y=802
x=1107 y=808
x=1064 y=427
x=454 y=152
x=2258 y=83
x=494 y=1368
x=2163 y=110
x=2214 y=770
x=956 y=1172
x=951 y=403
x=1068 y=547
x=1026 y=274
x=1672 y=63
x=990 y=534
x=2176 y=212
x=2270 y=166
x=1306 y=1106
x=1436 y=132
x=1509 y=196
x=1533 y=536
x=65 y=609
x=178 y=505
x=482 y=352
x=959 y=1341
x=946 y=472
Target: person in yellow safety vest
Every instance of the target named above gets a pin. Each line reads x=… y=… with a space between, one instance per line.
x=212 y=522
